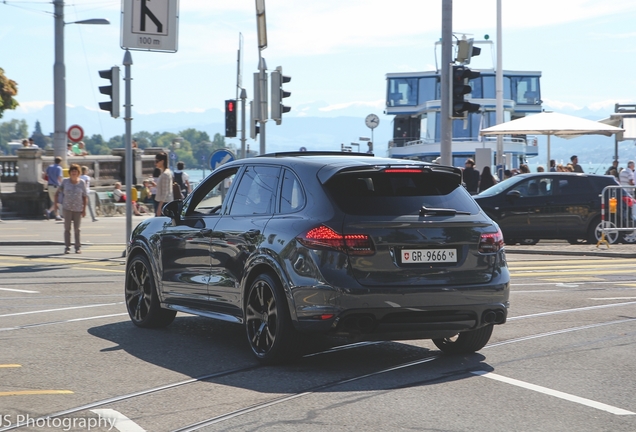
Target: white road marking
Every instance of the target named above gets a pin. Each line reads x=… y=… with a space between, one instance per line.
x=119 y=421
x=60 y=309
x=566 y=396
x=19 y=290
x=61 y=322
x=614 y=298
x=571 y=310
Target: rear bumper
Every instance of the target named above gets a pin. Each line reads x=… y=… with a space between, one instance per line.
x=413 y=313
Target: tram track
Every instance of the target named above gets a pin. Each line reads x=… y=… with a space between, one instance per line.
x=300 y=393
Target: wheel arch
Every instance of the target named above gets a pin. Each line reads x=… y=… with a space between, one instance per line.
x=140 y=248
x=264 y=263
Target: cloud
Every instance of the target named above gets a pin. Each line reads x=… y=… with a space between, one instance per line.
x=32 y=106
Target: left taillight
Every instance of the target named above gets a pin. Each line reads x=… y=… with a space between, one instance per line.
x=491 y=242
x=323 y=237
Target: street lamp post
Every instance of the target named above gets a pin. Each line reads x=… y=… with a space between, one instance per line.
x=59 y=80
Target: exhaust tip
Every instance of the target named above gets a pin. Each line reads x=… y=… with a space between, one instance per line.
x=489 y=317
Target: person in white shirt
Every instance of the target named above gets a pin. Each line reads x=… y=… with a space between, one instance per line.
x=87 y=180
x=626 y=177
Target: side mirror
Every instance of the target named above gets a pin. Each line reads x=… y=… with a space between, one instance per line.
x=513 y=194
x=172 y=209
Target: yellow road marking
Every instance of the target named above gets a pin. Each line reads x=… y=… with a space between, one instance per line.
x=35 y=392
x=573 y=279
x=574 y=266
x=10 y=365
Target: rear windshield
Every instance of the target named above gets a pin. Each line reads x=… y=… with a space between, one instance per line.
x=397 y=194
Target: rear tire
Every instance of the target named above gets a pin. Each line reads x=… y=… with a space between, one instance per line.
x=466 y=342
x=270 y=332
x=594 y=232
x=142 y=301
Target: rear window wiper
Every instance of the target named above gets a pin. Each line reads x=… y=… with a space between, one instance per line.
x=427 y=211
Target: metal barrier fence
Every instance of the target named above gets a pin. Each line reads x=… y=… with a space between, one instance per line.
x=618 y=214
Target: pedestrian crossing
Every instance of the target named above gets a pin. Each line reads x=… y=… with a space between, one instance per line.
x=575 y=269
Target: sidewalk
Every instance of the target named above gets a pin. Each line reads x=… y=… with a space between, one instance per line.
x=104 y=239
x=111 y=231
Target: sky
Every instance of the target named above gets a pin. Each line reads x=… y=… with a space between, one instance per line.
x=337 y=52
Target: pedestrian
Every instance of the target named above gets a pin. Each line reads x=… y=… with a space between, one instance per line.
x=53 y=176
x=626 y=178
x=69 y=150
x=79 y=149
x=182 y=179
x=487 y=180
x=74 y=198
x=152 y=183
x=540 y=168
x=87 y=180
x=575 y=164
x=32 y=143
x=524 y=169
x=613 y=169
x=164 y=183
x=553 y=165
x=471 y=177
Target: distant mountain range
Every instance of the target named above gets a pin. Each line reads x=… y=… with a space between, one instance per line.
x=313 y=127
x=312 y=132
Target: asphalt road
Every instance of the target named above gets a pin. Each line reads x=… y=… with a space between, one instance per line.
x=563 y=361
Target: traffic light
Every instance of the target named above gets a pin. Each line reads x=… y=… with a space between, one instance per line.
x=466 y=50
x=112 y=90
x=460 y=88
x=278 y=94
x=230 y=118
x=254 y=127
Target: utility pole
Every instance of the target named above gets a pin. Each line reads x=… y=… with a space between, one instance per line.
x=446 y=141
x=499 y=112
x=129 y=152
x=243 y=138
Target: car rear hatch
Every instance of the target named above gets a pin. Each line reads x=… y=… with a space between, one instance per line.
x=415 y=225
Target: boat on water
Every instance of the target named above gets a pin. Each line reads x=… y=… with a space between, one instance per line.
x=414 y=98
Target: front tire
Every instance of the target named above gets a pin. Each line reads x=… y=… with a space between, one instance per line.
x=268 y=325
x=141 y=296
x=466 y=342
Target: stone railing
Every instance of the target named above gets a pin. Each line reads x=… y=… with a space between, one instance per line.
x=27 y=196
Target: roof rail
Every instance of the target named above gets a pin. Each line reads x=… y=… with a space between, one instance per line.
x=314 y=153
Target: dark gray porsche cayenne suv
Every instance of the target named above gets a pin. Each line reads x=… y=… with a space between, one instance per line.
x=290 y=244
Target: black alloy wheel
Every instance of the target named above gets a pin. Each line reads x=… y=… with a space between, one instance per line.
x=267 y=321
x=141 y=296
x=466 y=342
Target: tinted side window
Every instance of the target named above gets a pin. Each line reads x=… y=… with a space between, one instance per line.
x=396 y=194
x=208 y=198
x=535 y=186
x=574 y=185
x=256 y=191
x=292 y=197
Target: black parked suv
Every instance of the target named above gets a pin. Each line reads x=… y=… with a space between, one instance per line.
x=347 y=245
x=551 y=205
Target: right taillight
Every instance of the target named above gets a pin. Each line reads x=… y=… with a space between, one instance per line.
x=491 y=242
x=323 y=237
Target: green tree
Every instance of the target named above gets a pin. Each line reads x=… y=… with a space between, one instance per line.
x=10 y=131
x=39 y=138
x=8 y=89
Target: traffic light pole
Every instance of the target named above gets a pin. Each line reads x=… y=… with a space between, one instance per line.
x=446 y=151
x=243 y=138
x=129 y=153
x=262 y=89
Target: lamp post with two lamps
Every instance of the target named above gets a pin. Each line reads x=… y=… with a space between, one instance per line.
x=59 y=79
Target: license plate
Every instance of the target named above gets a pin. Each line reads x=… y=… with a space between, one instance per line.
x=411 y=256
